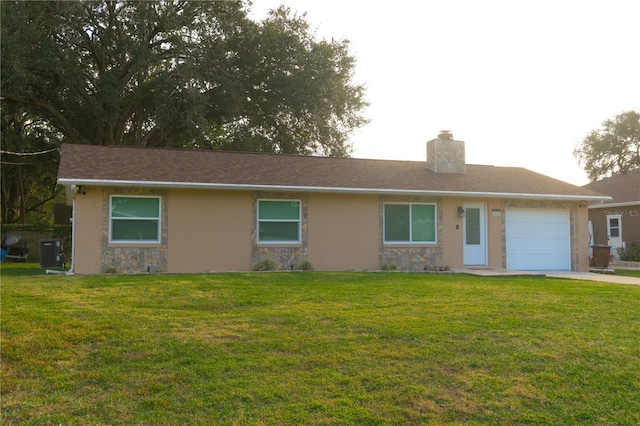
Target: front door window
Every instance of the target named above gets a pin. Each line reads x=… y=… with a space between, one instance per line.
x=472 y=230
x=475 y=245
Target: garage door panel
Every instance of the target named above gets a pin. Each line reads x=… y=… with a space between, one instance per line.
x=538 y=239
x=524 y=248
x=550 y=215
x=539 y=231
x=551 y=263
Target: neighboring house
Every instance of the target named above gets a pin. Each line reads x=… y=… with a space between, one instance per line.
x=617 y=222
x=166 y=210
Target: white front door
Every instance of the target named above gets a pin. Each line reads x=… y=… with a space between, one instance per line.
x=614 y=232
x=474 y=234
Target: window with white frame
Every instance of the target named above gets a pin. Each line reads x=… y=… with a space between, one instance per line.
x=279 y=221
x=410 y=223
x=134 y=219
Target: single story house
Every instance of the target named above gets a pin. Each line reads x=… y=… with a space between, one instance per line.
x=617 y=222
x=167 y=210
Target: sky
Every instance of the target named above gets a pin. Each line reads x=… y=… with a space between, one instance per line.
x=521 y=82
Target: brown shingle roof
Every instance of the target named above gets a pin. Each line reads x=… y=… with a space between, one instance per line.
x=623 y=188
x=87 y=164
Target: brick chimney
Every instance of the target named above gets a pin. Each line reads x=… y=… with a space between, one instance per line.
x=446 y=155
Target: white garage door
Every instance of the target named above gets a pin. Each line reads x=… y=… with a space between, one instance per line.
x=538 y=239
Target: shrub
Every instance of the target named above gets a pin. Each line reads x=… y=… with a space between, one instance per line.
x=632 y=253
x=601 y=259
x=305 y=265
x=437 y=268
x=389 y=266
x=265 y=265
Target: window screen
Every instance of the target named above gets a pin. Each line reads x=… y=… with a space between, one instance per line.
x=134 y=219
x=414 y=223
x=278 y=221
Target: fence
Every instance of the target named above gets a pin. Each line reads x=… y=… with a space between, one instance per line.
x=31 y=235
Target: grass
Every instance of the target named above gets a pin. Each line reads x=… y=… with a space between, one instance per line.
x=317 y=348
x=628 y=272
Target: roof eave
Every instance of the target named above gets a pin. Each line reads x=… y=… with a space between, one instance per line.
x=291 y=188
x=621 y=204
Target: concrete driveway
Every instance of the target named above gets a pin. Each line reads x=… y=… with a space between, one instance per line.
x=588 y=276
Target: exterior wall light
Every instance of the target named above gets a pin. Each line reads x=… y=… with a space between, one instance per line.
x=460 y=212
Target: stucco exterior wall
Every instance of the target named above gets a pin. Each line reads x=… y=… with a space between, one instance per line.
x=88 y=231
x=581 y=227
x=343 y=232
x=209 y=231
x=599 y=222
x=453 y=228
x=630 y=216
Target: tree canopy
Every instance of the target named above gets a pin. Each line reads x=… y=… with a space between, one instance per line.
x=613 y=149
x=173 y=73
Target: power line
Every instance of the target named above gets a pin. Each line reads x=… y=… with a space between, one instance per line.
x=24 y=164
x=24 y=154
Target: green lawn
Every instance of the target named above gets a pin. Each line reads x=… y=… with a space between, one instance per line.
x=317 y=348
x=628 y=272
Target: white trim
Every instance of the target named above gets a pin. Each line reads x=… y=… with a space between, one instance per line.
x=604 y=206
x=134 y=242
x=410 y=242
x=199 y=185
x=73 y=236
x=299 y=241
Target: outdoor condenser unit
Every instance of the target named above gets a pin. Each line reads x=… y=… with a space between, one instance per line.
x=50 y=253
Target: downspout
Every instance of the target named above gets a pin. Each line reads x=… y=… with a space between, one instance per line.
x=73 y=234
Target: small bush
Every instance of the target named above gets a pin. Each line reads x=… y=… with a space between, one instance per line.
x=632 y=253
x=437 y=268
x=265 y=265
x=304 y=265
x=389 y=266
x=601 y=259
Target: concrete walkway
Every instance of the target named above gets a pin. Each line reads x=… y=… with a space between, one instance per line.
x=485 y=271
x=588 y=276
x=591 y=276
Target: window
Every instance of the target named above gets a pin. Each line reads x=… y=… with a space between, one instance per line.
x=134 y=219
x=278 y=221
x=614 y=227
x=472 y=226
x=410 y=223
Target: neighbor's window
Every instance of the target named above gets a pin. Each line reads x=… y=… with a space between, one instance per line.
x=134 y=219
x=409 y=223
x=278 y=221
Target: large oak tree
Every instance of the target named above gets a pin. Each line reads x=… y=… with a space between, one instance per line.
x=189 y=74
x=613 y=149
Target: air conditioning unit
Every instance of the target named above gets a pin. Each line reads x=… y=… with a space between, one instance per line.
x=51 y=253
